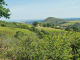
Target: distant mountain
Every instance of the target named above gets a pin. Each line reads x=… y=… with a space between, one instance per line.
x=71 y=19
x=56 y=21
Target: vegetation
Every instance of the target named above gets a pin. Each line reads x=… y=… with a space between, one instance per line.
x=55 y=21
x=25 y=42
x=53 y=46
x=4 y=12
x=35 y=23
x=48 y=25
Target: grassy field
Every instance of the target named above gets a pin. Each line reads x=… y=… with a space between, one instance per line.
x=10 y=31
x=5 y=59
x=70 y=23
x=48 y=29
x=29 y=25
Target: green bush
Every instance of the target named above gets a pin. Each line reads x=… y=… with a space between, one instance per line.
x=19 y=34
x=3 y=25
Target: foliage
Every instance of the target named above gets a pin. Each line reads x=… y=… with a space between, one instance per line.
x=72 y=28
x=44 y=25
x=4 y=12
x=40 y=24
x=44 y=44
x=3 y=25
x=8 y=24
x=77 y=25
x=48 y=25
x=53 y=47
x=35 y=23
x=19 y=34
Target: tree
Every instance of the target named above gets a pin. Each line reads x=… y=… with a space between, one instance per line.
x=49 y=24
x=69 y=28
x=3 y=25
x=40 y=24
x=35 y=23
x=75 y=28
x=44 y=25
x=4 y=12
x=72 y=28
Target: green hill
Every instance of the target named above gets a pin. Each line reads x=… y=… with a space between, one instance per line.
x=10 y=31
x=56 y=21
x=72 y=23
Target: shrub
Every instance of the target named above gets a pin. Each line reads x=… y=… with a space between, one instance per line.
x=19 y=34
x=3 y=25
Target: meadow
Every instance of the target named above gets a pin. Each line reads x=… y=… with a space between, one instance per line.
x=49 y=29
x=70 y=23
x=11 y=31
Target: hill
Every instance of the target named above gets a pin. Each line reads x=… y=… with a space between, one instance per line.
x=56 y=21
x=10 y=31
x=72 y=23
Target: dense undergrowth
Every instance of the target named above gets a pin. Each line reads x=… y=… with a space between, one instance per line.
x=39 y=44
x=30 y=47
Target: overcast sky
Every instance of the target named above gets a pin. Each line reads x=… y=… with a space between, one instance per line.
x=41 y=9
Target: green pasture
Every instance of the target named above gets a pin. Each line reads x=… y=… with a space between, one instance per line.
x=10 y=31
x=69 y=23
x=48 y=29
x=29 y=25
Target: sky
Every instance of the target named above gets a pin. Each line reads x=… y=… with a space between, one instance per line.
x=41 y=9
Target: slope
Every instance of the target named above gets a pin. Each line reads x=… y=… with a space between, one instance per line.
x=72 y=23
x=56 y=21
x=10 y=31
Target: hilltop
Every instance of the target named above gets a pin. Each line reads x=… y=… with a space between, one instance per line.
x=55 y=21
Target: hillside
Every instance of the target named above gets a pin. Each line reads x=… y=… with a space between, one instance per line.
x=26 y=42
x=10 y=31
x=72 y=23
x=56 y=21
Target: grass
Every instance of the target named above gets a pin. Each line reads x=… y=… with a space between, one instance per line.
x=48 y=29
x=70 y=23
x=29 y=25
x=5 y=59
x=10 y=31
x=55 y=30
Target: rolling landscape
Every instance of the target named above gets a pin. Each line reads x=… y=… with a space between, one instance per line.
x=31 y=34
x=13 y=36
